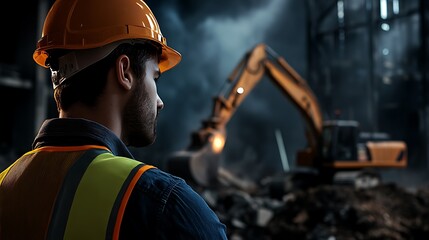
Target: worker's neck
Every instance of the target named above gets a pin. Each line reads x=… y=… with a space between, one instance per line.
x=102 y=115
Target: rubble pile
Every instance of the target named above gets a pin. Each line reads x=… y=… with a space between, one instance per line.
x=383 y=212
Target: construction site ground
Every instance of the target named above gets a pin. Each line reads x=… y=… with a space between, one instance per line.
x=385 y=211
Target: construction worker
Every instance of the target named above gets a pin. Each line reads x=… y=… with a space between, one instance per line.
x=80 y=181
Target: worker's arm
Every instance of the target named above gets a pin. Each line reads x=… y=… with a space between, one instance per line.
x=189 y=216
x=165 y=207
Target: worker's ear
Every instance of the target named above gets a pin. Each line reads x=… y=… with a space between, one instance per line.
x=123 y=72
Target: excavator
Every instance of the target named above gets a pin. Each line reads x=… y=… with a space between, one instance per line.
x=332 y=145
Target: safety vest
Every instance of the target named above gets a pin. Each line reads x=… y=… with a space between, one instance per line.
x=76 y=192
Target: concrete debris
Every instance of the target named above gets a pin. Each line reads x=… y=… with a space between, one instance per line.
x=347 y=212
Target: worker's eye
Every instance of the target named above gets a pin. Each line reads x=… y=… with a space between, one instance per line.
x=156 y=76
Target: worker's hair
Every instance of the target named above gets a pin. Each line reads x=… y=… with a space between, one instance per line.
x=87 y=85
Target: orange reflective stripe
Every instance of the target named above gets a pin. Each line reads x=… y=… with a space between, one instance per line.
x=66 y=148
x=124 y=201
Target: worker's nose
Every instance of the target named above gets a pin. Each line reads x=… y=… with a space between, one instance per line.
x=160 y=103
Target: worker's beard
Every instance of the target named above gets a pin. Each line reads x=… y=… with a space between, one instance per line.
x=139 y=120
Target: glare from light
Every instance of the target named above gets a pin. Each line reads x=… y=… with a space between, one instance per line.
x=149 y=19
x=218 y=141
x=396 y=6
x=387 y=80
x=340 y=6
x=385 y=51
x=385 y=27
x=383 y=9
x=240 y=90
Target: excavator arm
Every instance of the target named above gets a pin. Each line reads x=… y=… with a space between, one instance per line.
x=252 y=68
x=200 y=159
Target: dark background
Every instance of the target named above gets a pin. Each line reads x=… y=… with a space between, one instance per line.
x=364 y=59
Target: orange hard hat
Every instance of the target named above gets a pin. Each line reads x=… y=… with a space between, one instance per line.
x=89 y=24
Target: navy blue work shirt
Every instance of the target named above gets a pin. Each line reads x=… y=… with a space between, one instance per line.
x=161 y=206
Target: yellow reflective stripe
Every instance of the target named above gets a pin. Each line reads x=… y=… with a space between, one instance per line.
x=4 y=173
x=96 y=195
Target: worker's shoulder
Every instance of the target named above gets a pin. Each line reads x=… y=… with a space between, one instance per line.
x=156 y=181
x=157 y=175
x=153 y=176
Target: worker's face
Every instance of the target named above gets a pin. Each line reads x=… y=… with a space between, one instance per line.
x=141 y=112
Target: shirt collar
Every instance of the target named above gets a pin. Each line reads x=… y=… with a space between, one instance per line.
x=77 y=131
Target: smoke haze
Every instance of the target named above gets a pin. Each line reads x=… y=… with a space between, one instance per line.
x=212 y=38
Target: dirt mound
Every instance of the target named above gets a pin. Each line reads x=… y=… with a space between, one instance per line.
x=383 y=212
x=341 y=212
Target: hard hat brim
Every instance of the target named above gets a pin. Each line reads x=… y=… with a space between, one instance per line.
x=169 y=58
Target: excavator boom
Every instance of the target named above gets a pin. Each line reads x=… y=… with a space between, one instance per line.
x=257 y=63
